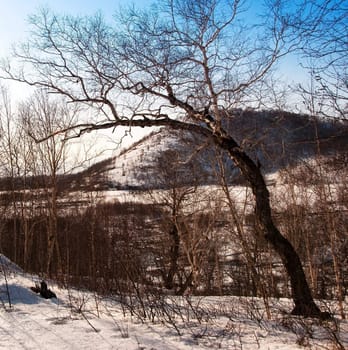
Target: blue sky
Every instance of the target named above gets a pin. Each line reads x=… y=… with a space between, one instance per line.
x=14 y=14
x=14 y=21
x=14 y=27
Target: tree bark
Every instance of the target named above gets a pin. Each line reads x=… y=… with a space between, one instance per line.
x=302 y=296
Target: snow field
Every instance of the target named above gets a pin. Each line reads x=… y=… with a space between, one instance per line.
x=82 y=320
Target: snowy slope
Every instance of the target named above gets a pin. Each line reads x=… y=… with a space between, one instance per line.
x=82 y=320
x=140 y=165
x=273 y=138
x=124 y=170
x=36 y=323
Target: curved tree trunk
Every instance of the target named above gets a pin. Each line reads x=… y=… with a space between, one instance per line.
x=301 y=293
x=302 y=296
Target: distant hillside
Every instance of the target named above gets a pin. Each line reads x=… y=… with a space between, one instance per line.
x=275 y=139
x=166 y=157
x=279 y=138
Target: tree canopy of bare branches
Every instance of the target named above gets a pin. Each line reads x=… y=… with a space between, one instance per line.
x=322 y=28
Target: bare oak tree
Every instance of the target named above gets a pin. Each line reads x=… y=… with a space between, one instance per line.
x=185 y=64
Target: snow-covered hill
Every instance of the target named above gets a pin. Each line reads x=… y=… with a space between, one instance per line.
x=275 y=139
x=82 y=320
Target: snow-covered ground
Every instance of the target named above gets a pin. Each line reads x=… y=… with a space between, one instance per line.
x=82 y=320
